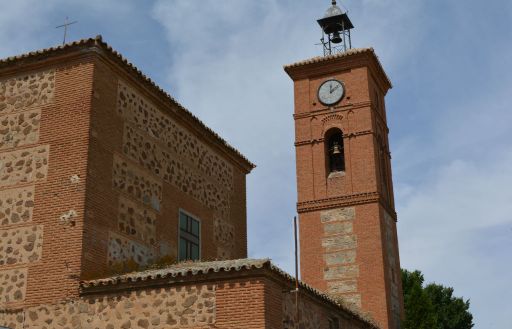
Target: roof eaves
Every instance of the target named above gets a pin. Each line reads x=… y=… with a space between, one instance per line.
x=204 y=268
x=98 y=42
x=355 y=51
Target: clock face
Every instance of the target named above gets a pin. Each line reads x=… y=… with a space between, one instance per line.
x=331 y=92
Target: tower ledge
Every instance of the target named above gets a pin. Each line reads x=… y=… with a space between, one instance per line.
x=338 y=62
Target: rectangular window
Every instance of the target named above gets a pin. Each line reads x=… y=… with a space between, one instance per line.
x=189 y=238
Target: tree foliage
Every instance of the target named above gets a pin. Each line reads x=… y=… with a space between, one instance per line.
x=432 y=306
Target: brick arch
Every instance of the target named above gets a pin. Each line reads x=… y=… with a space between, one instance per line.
x=332 y=121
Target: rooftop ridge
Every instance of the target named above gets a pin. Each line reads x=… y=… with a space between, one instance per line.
x=99 y=43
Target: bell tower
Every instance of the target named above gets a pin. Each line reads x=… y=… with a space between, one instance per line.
x=348 y=237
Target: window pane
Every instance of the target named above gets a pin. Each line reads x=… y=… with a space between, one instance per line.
x=183 y=249
x=183 y=221
x=195 y=252
x=195 y=227
x=189 y=237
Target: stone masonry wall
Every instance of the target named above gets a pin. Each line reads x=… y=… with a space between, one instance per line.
x=135 y=220
x=13 y=284
x=121 y=249
x=19 y=129
x=21 y=245
x=158 y=150
x=24 y=91
x=22 y=166
x=176 y=307
x=16 y=205
x=340 y=251
x=24 y=163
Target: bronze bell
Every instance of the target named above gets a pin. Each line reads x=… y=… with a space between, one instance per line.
x=336 y=38
x=336 y=149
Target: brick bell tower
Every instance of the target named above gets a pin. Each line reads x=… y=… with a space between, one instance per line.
x=348 y=236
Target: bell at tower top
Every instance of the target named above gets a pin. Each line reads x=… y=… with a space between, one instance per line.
x=336 y=28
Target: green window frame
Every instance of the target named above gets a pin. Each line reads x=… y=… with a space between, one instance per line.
x=189 y=237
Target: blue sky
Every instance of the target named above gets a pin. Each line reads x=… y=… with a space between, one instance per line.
x=449 y=111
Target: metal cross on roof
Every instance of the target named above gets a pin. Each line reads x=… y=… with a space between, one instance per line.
x=65 y=26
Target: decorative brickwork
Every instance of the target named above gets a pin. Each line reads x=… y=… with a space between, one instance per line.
x=137 y=183
x=16 y=205
x=121 y=249
x=167 y=166
x=25 y=165
x=191 y=306
x=13 y=284
x=138 y=110
x=21 y=245
x=19 y=129
x=170 y=152
x=25 y=91
x=136 y=220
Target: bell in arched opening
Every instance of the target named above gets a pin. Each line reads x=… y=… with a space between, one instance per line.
x=335 y=151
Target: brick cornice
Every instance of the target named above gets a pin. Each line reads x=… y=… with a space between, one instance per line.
x=331 y=110
x=334 y=202
x=345 y=201
x=354 y=58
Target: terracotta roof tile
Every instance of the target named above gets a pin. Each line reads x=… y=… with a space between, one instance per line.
x=99 y=43
x=187 y=269
x=180 y=269
x=319 y=59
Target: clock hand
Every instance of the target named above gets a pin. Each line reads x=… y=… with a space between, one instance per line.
x=335 y=88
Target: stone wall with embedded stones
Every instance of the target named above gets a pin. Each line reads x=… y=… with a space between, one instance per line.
x=21 y=245
x=23 y=162
x=24 y=165
x=177 y=307
x=146 y=117
x=25 y=91
x=139 y=202
x=157 y=150
x=16 y=205
x=137 y=221
x=13 y=284
x=122 y=249
x=170 y=168
x=135 y=182
x=340 y=251
x=19 y=129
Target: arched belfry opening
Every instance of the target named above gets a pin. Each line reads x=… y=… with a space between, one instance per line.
x=335 y=151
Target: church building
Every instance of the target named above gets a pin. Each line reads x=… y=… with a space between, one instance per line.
x=120 y=209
